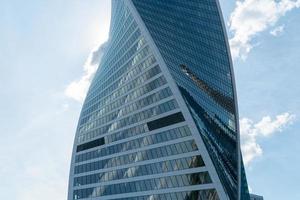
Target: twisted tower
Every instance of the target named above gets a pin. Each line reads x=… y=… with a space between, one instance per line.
x=160 y=120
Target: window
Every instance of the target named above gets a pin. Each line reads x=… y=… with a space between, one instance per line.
x=91 y=144
x=165 y=121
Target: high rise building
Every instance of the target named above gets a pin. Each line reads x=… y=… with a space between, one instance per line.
x=160 y=119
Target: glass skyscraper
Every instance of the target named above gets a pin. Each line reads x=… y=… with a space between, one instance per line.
x=160 y=119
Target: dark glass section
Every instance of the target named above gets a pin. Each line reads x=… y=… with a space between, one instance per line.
x=220 y=142
x=91 y=144
x=224 y=101
x=165 y=121
x=191 y=33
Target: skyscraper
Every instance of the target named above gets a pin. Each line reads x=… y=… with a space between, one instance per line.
x=160 y=119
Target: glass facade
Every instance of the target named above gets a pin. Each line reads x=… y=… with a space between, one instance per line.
x=133 y=140
x=144 y=185
x=191 y=39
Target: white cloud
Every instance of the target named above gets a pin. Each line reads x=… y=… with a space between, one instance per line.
x=277 y=30
x=266 y=127
x=77 y=89
x=251 y=17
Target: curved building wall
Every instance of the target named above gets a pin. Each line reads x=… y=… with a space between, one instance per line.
x=192 y=41
x=159 y=120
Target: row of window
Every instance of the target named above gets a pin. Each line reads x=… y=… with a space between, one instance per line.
x=128 y=108
x=144 y=185
x=133 y=95
x=112 y=106
x=117 y=114
x=140 y=116
x=111 y=102
x=149 y=154
x=119 y=135
x=136 y=143
x=138 y=57
x=142 y=170
x=143 y=115
x=133 y=84
x=89 y=145
x=165 y=121
x=210 y=194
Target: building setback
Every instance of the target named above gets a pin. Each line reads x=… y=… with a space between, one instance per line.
x=160 y=119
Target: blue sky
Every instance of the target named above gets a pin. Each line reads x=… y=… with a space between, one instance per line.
x=45 y=69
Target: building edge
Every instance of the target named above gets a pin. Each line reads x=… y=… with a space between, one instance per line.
x=240 y=165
